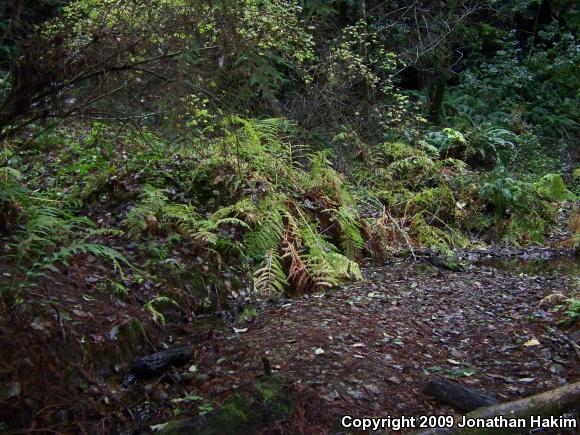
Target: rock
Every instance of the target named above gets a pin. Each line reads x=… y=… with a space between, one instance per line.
x=159 y=395
x=558 y=369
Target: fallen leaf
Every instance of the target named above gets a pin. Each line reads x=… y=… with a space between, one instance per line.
x=319 y=351
x=158 y=427
x=533 y=342
x=526 y=380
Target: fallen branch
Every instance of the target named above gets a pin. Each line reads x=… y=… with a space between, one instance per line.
x=550 y=403
x=151 y=365
x=458 y=396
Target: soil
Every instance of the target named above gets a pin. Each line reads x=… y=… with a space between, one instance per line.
x=364 y=349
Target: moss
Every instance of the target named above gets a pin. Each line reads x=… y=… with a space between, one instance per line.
x=267 y=401
x=130 y=338
x=249 y=312
x=203 y=289
x=132 y=334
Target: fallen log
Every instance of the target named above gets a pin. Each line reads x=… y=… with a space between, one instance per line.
x=153 y=364
x=444 y=263
x=553 y=403
x=458 y=396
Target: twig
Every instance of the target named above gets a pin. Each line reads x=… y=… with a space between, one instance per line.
x=58 y=316
x=573 y=344
x=267 y=368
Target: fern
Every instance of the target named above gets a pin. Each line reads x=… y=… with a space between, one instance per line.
x=140 y=217
x=435 y=237
x=348 y=220
x=317 y=257
x=267 y=230
x=411 y=167
x=270 y=276
x=153 y=307
x=46 y=228
x=65 y=253
x=244 y=208
x=155 y=212
x=553 y=188
x=435 y=201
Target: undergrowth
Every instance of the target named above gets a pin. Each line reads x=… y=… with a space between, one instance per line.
x=251 y=194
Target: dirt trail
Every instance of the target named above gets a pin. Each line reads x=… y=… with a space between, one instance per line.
x=369 y=348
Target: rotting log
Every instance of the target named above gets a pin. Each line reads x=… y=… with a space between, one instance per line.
x=153 y=364
x=552 y=403
x=458 y=396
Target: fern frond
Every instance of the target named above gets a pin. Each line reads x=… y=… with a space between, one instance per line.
x=152 y=307
x=106 y=252
x=348 y=220
x=298 y=274
x=44 y=229
x=316 y=257
x=270 y=276
x=245 y=207
x=152 y=204
x=8 y=175
x=268 y=229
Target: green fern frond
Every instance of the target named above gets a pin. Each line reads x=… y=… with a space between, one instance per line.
x=438 y=202
x=267 y=230
x=317 y=258
x=348 y=220
x=435 y=237
x=245 y=208
x=405 y=168
x=9 y=175
x=270 y=276
x=153 y=307
x=67 y=252
x=153 y=203
x=45 y=228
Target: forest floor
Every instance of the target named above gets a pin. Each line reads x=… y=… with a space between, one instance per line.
x=369 y=348
x=364 y=349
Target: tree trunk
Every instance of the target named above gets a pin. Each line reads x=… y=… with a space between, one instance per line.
x=436 y=96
